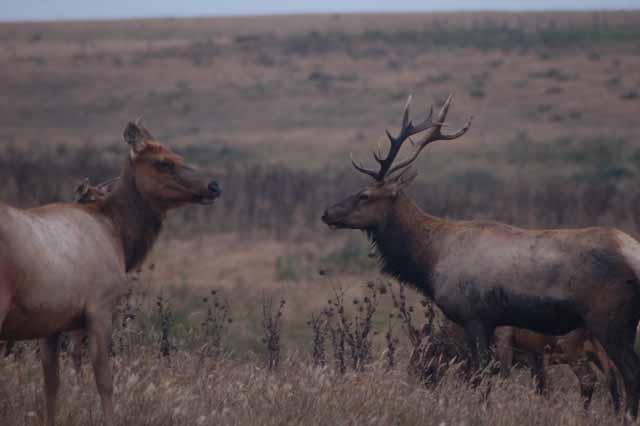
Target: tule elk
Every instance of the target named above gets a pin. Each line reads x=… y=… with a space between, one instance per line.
x=519 y=346
x=483 y=275
x=84 y=193
x=576 y=349
x=63 y=266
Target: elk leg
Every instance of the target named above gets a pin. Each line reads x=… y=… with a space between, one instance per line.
x=627 y=363
x=49 y=351
x=536 y=364
x=504 y=348
x=477 y=336
x=4 y=308
x=614 y=391
x=631 y=379
x=8 y=347
x=99 y=337
x=506 y=362
x=412 y=368
x=76 y=350
x=586 y=379
x=609 y=371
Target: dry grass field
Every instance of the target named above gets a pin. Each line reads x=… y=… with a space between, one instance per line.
x=273 y=106
x=192 y=392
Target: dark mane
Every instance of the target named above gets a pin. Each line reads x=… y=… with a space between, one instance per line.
x=399 y=261
x=137 y=222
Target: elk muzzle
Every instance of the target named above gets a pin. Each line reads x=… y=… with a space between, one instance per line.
x=336 y=216
x=214 y=191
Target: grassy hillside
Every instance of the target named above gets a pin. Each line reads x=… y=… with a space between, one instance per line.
x=272 y=106
x=306 y=90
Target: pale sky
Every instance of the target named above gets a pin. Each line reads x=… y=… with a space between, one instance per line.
x=12 y=10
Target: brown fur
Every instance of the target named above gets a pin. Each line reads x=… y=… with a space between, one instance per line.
x=513 y=346
x=136 y=221
x=484 y=275
x=575 y=349
x=86 y=193
x=63 y=266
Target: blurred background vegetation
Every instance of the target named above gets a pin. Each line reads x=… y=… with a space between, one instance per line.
x=272 y=106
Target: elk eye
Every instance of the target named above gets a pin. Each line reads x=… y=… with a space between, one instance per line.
x=364 y=197
x=165 y=166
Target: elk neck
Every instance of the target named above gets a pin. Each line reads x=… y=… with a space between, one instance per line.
x=136 y=222
x=407 y=243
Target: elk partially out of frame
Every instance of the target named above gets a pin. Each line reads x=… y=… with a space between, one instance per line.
x=518 y=346
x=484 y=274
x=63 y=266
x=577 y=349
x=84 y=193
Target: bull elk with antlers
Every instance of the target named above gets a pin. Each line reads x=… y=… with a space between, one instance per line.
x=485 y=274
x=63 y=266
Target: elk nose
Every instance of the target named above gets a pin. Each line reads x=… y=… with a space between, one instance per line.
x=214 y=188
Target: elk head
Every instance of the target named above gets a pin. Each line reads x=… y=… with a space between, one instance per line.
x=86 y=193
x=369 y=207
x=161 y=176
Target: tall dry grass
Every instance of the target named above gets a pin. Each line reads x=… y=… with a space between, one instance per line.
x=190 y=391
x=166 y=375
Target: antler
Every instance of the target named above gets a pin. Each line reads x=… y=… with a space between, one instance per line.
x=406 y=131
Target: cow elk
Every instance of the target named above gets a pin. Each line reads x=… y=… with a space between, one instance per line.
x=63 y=266
x=84 y=193
x=483 y=275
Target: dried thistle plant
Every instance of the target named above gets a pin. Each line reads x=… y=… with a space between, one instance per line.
x=318 y=324
x=126 y=338
x=215 y=324
x=405 y=313
x=435 y=347
x=354 y=334
x=334 y=313
x=392 y=342
x=166 y=319
x=272 y=329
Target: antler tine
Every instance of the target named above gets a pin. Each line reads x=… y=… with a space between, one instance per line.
x=425 y=124
x=405 y=115
x=434 y=134
x=377 y=154
x=407 y=130
x=362 y=169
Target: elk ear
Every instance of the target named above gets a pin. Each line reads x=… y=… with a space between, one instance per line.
x=401 y=181
x=136 y=137
x=81 y=190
